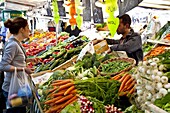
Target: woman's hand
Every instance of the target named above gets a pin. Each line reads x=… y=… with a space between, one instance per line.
x=29 y=70
x=33 y=60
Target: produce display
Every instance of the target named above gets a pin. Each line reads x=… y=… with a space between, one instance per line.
x=53 y=55
x=159 y=49
x=147 y=46
x=153 y=81
x=163 y=33
x=115 y=66
x=127 y=86
x=100 y=92
x=80 y=80
x=101 y=83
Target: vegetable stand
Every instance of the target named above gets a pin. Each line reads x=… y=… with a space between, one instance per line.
x=80 y=85
x=161 y=34
x=87 y=69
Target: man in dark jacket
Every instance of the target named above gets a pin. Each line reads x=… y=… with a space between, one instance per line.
x=130 y=41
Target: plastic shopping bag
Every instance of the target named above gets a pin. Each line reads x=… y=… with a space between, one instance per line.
x=20 y=93
x=88 y=48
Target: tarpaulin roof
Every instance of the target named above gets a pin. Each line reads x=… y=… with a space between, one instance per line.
x=124 y=5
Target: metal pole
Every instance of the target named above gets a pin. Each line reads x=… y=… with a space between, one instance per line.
x=56 y=34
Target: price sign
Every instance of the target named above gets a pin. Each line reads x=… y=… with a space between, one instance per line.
x=55 y=10
x=79 y=19
x=112 y=24
x=111 y=6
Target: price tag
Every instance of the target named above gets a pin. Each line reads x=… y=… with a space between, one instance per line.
x=79 y=19
x=56 y=11
x=111 y=6
x=112 y=24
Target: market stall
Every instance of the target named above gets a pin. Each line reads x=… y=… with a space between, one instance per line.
x=75 y=75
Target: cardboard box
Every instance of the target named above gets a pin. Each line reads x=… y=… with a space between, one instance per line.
x=101 y=47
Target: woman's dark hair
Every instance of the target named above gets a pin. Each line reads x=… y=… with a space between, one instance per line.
x=15 y=24
x=125 y=19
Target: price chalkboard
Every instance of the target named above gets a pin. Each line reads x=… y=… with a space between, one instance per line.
x=126 y=5
x=97 y=13
x=86 y=10
x=61 y=8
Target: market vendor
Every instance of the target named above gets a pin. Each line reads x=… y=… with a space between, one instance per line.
x=130 y=42
x=72 y=30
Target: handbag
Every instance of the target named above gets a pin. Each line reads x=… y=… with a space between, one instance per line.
x=20 y=93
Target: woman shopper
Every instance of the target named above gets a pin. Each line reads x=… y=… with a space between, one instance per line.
x=14 y=55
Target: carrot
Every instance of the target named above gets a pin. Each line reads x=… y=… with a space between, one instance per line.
x=69 y=90
x=116 y=77
x=58 y=111
x=50 y=95
x=55 y=108
x=131 y=85
x=127 y=76
x=57 y=81
x=61 y=82
x=53 y=100
x=65 y=86
x=59 y=93
x=51 y=90
x=48 y=111
x=125 y=88
x=121 y=73
x=129 y=81
x=64 y=99
x=73 y=91
x=123 y=93
x=120 y=80
x=132 y=90
x=69 y=101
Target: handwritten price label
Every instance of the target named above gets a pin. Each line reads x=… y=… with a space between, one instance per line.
x=112 y=24
x=56 y=14
x=111 y=6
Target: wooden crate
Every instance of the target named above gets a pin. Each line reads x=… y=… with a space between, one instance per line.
x=40 y=73
x=66 y=64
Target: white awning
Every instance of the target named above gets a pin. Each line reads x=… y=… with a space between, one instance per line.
x=29 y=4
x=23 y=4
x=157 y=4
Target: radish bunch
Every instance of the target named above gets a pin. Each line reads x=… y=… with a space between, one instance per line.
x=86 y=105
x=112 y=109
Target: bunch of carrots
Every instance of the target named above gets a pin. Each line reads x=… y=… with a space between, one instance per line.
x=167 y=37
x=156 y=51
x=127 y=83
x=62 y=94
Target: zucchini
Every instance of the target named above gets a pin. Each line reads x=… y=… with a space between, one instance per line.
x=39 y=68
x=61 y=54
x=54 y=64
x=46 y=67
